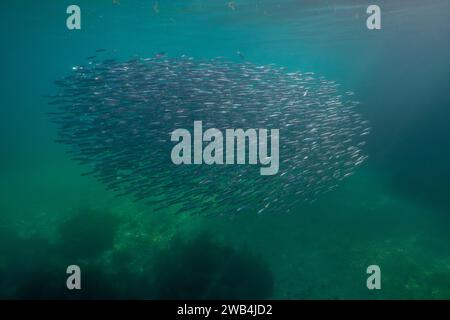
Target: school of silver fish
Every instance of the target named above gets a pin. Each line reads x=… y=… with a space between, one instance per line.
x=117 y=117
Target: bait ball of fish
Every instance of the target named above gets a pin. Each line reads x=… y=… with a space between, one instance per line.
x=117 y=117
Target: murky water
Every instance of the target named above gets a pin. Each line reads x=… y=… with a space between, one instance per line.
x=392 y=212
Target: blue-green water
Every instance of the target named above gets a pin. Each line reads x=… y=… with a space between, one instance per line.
x=393 y=212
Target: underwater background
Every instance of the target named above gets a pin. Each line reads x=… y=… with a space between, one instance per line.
x=393 y=212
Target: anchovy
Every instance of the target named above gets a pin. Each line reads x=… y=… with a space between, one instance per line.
x=117 y=117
